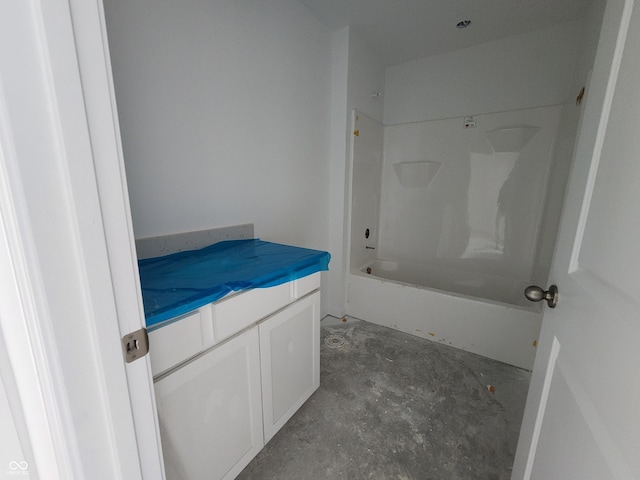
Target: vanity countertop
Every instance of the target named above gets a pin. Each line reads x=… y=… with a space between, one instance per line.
x=178 y=283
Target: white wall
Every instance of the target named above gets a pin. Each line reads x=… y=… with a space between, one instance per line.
x=356 y=73
x=589 y=45
x=366 y=76
x=523 y=71
x=224 y=110
x=338 y=186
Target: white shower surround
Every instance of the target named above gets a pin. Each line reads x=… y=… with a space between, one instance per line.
x=458 y=300
x=483 y=210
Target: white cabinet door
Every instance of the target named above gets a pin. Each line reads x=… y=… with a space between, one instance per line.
x=210 y=412
x=290 y=359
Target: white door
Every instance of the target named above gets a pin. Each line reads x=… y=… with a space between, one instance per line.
x=582 y=419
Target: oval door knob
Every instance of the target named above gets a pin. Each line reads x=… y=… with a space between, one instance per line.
x=536 y=294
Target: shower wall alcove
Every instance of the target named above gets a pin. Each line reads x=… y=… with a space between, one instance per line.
x=450 y=223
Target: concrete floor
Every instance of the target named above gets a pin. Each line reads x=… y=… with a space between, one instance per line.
x=394 y=406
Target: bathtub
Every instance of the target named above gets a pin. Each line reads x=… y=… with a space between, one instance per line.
x=479 y=313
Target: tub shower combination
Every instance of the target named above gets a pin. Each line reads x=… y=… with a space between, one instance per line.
x=449 y=224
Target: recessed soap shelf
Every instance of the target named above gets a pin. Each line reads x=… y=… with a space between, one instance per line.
x=416 y=174
x=511 y=139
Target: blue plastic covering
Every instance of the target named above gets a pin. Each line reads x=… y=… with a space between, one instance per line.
x=181 y=282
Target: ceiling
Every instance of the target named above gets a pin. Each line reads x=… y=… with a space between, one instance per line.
x=399 y=31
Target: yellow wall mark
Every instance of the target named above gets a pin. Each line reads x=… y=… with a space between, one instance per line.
x=535 y=343
x=356 y=133
x=432 y=334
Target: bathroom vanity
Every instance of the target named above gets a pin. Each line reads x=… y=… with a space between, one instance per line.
x=229 y=374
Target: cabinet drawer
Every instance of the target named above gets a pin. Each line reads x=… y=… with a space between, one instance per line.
x=238 y=312
x=305 y=285
x=176 y=342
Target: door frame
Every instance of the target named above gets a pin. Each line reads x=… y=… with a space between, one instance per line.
x=87 y=414
x=90 y=30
